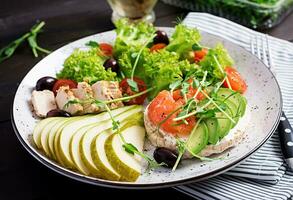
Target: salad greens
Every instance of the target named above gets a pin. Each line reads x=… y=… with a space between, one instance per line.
x=163 y=68
x=86 y=66
x=157 y=69
x=216 y=60
x=131 y=36
x=181 y=40
x=127 y=60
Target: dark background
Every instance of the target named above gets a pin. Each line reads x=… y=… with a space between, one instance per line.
x=21 y=176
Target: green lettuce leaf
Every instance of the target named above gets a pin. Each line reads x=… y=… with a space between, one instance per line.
x=210 y=64
x=85 y=66
x=163 y=68
x=127 y=59
x=182 y=40
x=131 y=35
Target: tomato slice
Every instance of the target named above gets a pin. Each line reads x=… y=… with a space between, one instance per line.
x=199 y=55
x=157 y=47
x=64 y=82
x=106 y=49
x=126 y=90
x=236 y=81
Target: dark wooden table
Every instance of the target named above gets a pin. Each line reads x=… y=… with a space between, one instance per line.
x=21 y=176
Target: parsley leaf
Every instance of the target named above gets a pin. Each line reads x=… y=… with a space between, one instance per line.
x=185 y=87
x=195 y=83
x=207 y=114
x=133 y=85
x=130 y=148
x=196 y=47
x=70 y=102
x=174 y=85
x=92 y=44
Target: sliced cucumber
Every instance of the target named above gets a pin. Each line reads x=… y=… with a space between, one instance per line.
x=198 y=139
x=213 y=129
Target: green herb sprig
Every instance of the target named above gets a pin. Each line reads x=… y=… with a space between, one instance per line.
x=131 y=82
x=129 y=147
x=31 y=37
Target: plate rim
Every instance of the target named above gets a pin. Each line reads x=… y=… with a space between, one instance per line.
x=127 y=185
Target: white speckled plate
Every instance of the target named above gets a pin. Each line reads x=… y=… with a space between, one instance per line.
x=264 y=101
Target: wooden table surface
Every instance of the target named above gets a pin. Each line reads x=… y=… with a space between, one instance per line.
x=21 y=176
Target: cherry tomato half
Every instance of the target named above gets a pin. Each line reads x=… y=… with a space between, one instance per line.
x=106 y=48
x=236 y=81
x=157 y=47
x=126 y=89
x=63 y=82
x=199 y=55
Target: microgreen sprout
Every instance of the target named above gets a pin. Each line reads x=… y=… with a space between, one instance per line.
x=222 y=71
x=31 y=37
x=131 y=81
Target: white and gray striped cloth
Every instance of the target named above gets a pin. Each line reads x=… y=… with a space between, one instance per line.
x=264 y=175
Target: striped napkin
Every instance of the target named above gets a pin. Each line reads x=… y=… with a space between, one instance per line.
x=264 y=175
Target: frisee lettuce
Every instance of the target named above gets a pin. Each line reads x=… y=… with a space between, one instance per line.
x=127 y=59
x=86 y=66
x=131 y=35
x=209 y=63
x=163 y=68
x=182 y=40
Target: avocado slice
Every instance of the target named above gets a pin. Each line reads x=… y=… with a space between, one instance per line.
x=213 y=129
x=234 y=110
x=243 y=105
x=235 y=97
x=225 y=124
x=198 y=138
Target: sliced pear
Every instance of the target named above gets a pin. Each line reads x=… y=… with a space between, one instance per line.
x=98 y=147
x=64 y=138
x=45 y=135
x=89 y=136
x=99 y=156
x=75 y=149
x=52 y=134
x=56 y=142
x=126 y=164
x=38 y=130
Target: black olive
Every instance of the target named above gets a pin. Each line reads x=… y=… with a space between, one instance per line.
x=45 y=83
x=58 y=113
x=161 y=37
x=112 y=64
x=164 y=155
